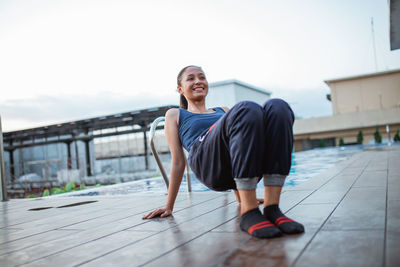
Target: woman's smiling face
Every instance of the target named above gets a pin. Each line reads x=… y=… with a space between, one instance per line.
x=194 y=85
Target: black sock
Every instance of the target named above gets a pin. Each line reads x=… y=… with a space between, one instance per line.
x=288 y=226
x=256 y=225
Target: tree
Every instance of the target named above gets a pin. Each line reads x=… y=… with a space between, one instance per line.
x=341 y=142
x=377 y=136
x=360 y=138
x=396 y=137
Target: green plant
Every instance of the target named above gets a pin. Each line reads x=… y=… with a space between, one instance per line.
x=321 y=143
x=396 y=137
x=360 y=138
x=70 y=186
x=56 y=190
x=46 y=193
x=377 y=136
x=341 y=142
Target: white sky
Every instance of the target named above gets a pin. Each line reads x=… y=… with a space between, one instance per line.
x=69 y=60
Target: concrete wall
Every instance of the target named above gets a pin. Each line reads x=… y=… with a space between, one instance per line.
x=365 y=93
x=221 y=96
x=243 y=93
x=228 y=93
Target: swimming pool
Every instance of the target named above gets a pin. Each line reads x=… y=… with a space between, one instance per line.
x=305 y=164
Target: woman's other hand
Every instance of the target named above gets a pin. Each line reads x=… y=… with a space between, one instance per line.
x=158 y=212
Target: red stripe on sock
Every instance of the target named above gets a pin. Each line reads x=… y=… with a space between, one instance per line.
x=260 y=225
x=286 y=219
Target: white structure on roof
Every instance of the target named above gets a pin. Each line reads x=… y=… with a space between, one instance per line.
x=228 y=93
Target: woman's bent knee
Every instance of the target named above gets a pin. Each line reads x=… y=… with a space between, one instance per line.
x=279 y=108
x=248 y=111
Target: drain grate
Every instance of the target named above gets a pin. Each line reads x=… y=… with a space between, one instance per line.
x=42 y=208
x=65 y=206
x=77 y=204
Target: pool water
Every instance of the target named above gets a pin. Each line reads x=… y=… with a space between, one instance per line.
x=308 y=163
x=305 y=164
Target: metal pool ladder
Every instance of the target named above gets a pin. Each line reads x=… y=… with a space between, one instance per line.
x=153 y=128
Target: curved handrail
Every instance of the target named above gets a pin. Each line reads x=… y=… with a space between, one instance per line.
x=157 y=158
x=153 y=149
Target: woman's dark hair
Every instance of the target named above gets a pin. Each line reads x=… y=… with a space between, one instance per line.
x=183 y=101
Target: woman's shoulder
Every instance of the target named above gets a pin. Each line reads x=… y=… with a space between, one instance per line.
x=172 y=114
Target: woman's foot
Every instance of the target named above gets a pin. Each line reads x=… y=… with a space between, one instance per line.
x=254 y=223
x=285 y=224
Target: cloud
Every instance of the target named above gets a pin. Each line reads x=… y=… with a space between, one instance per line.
x=44 y=109
x=307 y=103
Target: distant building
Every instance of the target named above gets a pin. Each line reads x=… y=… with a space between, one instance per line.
x=359 y=103
x=371 y=92
x=228 y=93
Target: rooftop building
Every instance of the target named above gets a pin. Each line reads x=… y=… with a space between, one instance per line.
x=360 y=103
x=228 y=93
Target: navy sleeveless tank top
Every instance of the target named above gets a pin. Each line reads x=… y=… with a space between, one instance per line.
x=192 y=125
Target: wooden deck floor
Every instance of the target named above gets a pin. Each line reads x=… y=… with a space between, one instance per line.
x=351 y=213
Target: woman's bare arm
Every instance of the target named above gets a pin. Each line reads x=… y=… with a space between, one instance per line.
x=177 y=163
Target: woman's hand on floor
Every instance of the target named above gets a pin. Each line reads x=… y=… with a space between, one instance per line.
x=158 y=212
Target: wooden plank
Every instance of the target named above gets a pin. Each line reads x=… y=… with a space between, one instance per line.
x=393 y=233
x=67 y=220
x=372 y=178
x=187 y=214
x=202 y=251
x=344 y=248
x=344 y=167
x=142 y=210
x=266 y=252
x=88 y=250
x=276 y=252
x=392 y=257
x=394 y=187
x=166 y=241
x=316 y=181
x=289 y=199
x=33 y=241
x=377 y=166
x=97 y=233
x=362 y=208
x=332 y=192
x=354 y=171
x=47 y=224
x=28 y=217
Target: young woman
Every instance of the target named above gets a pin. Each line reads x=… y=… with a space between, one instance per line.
x=232 y=149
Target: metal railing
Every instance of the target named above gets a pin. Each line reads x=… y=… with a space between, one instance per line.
x=153 y=128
